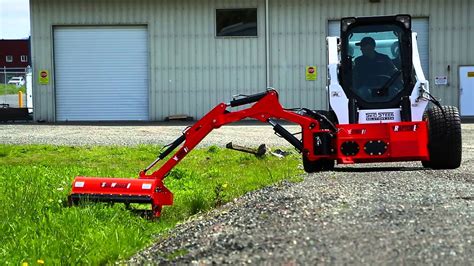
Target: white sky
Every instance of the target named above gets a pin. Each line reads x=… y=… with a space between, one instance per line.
x=14 y=19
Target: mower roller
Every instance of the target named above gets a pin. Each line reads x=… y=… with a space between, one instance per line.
x=383 y=120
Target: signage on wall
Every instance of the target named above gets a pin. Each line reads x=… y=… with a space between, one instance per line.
x=470 y=74
x=441 y=80
x=43 y=77
x=311 y=73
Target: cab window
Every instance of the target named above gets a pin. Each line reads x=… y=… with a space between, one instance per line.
x=376 y=62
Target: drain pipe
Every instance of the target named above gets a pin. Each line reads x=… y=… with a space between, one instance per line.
x=267 y=45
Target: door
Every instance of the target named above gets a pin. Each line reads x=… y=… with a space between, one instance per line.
x=466 y=93
x=101 y=73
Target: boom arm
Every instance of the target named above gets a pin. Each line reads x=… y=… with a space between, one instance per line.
x=265 y=110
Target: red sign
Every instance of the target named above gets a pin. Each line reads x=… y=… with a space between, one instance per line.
x=311 y=73
x=43 y=77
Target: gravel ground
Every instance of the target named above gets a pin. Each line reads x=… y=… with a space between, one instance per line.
x=355 y=215
x=79 y=135
x=395 y=213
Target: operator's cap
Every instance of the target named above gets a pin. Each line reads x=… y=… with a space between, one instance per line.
x=365 y=41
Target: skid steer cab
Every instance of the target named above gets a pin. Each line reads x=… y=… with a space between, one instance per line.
x=377 y=93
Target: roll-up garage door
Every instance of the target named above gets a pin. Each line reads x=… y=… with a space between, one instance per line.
x=419 y=25
x=101 y=73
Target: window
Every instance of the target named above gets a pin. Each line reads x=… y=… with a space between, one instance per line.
x=9 y=58
x=375 y=54
x=24 y=58
x=236 y=22
x=418 y=25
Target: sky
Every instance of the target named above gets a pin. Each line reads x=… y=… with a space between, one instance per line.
x=14 y=19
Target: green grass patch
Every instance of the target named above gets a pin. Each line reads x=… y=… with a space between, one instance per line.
x=11 y=89
x=36 y=179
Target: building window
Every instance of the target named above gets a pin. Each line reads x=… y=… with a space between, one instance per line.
x=236 y=22
x=9 y=58
x=24 y=58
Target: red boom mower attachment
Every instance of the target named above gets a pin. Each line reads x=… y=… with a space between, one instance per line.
x=150 y=188
x=374 y=116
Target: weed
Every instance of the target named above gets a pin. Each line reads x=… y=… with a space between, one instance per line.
x=213 y=149
x=4 y=151
x=178 y=173
x=219 y=194
x=197 y=203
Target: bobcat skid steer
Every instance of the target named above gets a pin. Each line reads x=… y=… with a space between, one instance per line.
x=377 y=93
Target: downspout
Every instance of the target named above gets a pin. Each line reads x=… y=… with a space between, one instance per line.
x=267 y=45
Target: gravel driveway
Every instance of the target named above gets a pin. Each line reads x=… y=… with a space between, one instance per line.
x=250 y=134
x=395 y=213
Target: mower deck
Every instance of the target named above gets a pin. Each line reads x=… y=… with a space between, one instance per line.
x=121 y=190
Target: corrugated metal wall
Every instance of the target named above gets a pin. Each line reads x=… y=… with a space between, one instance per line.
x=297 y=40
x=195 y=70
x=191 y=70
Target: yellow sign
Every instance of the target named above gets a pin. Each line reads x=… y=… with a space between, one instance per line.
x=44 y=77
x=311 y=73
x=470 y=74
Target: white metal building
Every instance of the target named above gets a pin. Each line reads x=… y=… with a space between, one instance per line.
x=148 y=59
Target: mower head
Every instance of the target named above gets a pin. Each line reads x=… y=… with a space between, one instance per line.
x=121 y=190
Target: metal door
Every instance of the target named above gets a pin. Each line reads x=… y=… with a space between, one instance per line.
x=466 y=93
x=101 y=73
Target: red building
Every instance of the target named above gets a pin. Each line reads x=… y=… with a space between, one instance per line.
x=14 y=53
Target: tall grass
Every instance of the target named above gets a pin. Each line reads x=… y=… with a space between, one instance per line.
x=35 y=181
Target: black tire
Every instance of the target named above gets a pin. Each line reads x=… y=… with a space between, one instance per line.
x=426 y=164
x=444 y=137
x=317 y=166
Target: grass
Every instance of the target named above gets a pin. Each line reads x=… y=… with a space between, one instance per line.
x=11 y=89
x=36 y=179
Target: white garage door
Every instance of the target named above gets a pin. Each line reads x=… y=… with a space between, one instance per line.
x=419 y=25
x=101 y=73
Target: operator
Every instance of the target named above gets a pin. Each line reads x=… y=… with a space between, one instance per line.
x=371 y=69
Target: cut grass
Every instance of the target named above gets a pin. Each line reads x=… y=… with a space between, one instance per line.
x=11 y=89
x=36 y=179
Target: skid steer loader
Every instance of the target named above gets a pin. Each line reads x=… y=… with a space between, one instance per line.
x=377 y=114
